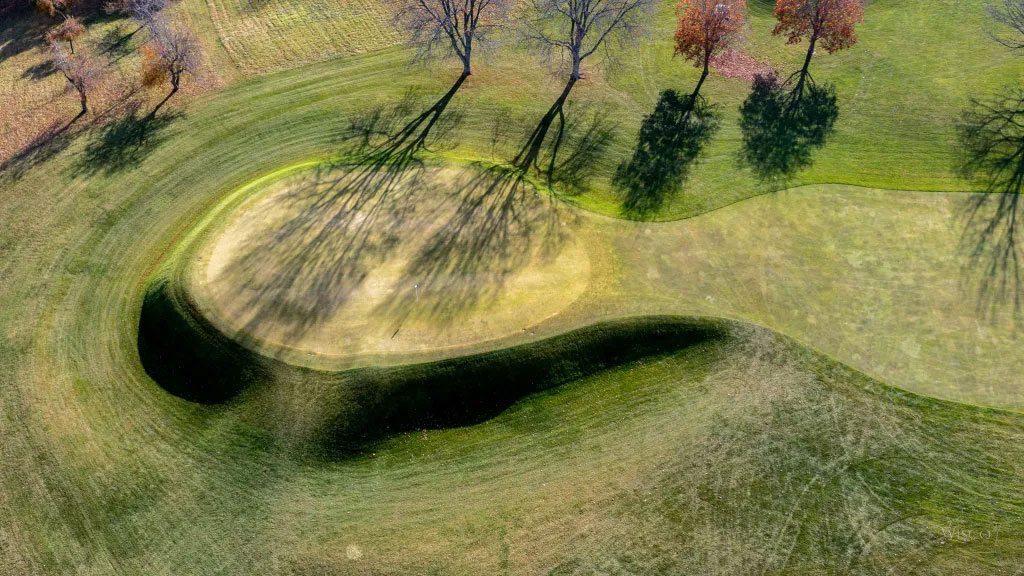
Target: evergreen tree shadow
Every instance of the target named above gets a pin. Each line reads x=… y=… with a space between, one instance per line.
x=781 y=128
x=991 y=137
x=671 y=137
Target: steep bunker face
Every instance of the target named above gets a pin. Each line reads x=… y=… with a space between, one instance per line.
x=349 y=260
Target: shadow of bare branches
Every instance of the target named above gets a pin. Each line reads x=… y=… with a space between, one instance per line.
x=344 y=219
x=49 y=142
x=782 y=127
x=671 y=137
x=566 y=158
x=496 y=225
x=394 y=238
x=991 y=136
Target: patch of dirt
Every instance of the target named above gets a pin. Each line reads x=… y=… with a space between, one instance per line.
x=736 y=64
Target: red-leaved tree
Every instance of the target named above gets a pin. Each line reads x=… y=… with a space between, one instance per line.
x=827 y=21
x=705 y=28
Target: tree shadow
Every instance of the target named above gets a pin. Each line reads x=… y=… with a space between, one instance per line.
x=781 y=128
x=365 y=225
x=39 y=70
x=48 y=143
x=116 y=43
x=124 y=143
x=565 y=159
x=21 y=32
x=59 y=134
x=493 y=225
x=671 y=137
x=23 y=29
x=991 y=137
x=344 y=219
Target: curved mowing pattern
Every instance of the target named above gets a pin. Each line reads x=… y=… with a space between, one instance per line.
x=741 y=452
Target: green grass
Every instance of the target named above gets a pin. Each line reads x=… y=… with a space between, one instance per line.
x=912 y=72
x=743 y=453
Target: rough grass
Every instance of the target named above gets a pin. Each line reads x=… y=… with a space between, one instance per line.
x=36 y=102
x=267 y=35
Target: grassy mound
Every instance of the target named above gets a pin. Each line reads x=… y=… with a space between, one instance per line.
x=334 y=266
x=190 y=358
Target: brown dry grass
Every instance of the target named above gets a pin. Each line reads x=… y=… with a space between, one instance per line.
x=37 y=105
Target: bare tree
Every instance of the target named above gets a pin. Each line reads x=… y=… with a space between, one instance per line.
x=1009 y=13
x=172 y=54
x=576 y=29
x=78 y=70
x=451 y=25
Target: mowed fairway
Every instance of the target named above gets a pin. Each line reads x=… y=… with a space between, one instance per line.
x=439 y=365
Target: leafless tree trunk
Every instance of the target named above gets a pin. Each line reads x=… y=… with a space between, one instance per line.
x=576 y=29
x=179 y=54
x=456 y=26
x=79 y=71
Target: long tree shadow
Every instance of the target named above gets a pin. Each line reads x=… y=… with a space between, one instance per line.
x=491 y=226
x=991 y=136
x=498 y=224
x=781 y=127
x=125 y=142
x=48 y=143
x=341 y=222
x=59 y=134
x=671 y=137
x=566 y=157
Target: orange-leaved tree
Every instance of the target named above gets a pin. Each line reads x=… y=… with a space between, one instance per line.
x=69 y=28
x=66 y=31
x=705 y=28
x=828 y=21
x=170 y=55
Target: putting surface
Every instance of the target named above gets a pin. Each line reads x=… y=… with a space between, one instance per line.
x=348 y=260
